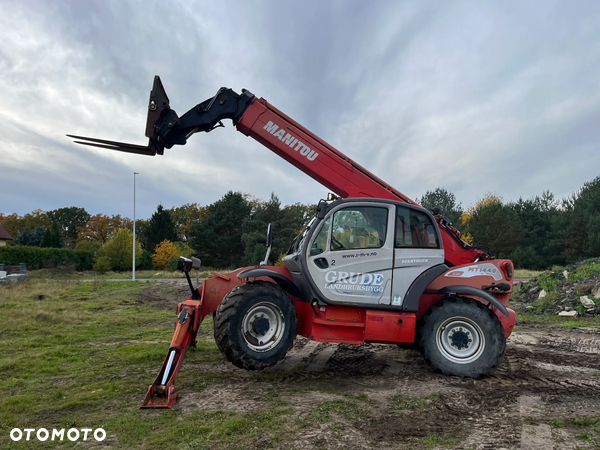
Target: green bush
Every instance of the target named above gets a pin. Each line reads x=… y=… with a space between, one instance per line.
x=590 y=268
x=102 y=265
x=45 y=258
x=88 y=246
x=145 y=261
x=119 y=248
x=172 y=264
x=546 y=282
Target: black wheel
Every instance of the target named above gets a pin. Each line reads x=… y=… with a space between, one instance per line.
x=462 y=337
x=255 y=325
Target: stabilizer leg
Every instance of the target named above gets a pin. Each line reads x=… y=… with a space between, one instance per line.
x=161 y=394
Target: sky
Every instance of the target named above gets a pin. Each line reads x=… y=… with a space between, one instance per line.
x=471 y=96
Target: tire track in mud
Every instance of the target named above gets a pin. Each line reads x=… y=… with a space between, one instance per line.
x=543 y=376
x=298 y=355
x=556 y=363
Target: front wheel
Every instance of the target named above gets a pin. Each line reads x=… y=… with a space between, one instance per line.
x=255 y=325
x=462 y=337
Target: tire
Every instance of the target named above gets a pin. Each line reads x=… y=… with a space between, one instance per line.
x=462 y=337
x=250 y=313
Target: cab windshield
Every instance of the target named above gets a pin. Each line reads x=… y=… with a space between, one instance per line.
x=299 y=240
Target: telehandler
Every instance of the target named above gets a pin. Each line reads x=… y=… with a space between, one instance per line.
x=371 y=266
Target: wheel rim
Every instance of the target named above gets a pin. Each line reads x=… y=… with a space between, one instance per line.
x=460 y=340
x=263 y=326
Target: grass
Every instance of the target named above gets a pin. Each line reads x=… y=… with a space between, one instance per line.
x=350 y=409
x=139 y=274
x=546 y=282
x=542 y=305
x=83 y=357
x=567 y=322
x=583 y=428
x=591 y=267
x=586 y=422
x=524 y=273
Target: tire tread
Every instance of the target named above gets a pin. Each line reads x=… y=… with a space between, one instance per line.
x=497 y=342
x=229 y=308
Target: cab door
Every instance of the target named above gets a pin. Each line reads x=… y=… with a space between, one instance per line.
x=351 y=257
x=418 y=247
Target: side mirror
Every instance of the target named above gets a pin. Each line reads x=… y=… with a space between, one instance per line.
x=321 y=209
x=184 y=264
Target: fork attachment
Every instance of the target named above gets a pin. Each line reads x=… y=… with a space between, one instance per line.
x=161 y=394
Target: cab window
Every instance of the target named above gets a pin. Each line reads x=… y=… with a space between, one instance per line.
x=320 y=243
x=359 y=227
x=414 y=229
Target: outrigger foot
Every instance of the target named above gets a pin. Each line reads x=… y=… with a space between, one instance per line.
x=161 y=394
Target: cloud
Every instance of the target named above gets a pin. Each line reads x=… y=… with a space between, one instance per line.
x=475 y=97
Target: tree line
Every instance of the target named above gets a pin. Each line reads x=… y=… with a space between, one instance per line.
x=230 y=232
x=535 y=233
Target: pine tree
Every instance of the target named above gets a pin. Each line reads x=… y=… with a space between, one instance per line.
x=31 y=237
x=160 y=228
x=56 y=236
x=217 y=237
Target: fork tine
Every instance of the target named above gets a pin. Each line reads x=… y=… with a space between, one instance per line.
x=114 y=145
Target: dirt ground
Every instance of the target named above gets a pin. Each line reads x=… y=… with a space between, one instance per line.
x=544 y=395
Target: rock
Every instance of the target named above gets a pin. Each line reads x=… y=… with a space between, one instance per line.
x=568 y=313
x=543 y=294
x=568 y=308
x=587 y=302
x=2 y=273
x=528 y=307
x=558 y=309
x=596 y=291
x=566 y=274
x=534 y=290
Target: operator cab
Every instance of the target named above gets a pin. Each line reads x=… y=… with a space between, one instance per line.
x=366 y=252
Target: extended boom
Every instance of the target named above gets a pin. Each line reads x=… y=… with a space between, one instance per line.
x=256 y=118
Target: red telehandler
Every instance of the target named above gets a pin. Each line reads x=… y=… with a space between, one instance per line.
x=372 y=266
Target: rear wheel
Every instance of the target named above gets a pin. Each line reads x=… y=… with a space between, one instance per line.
x=255 y=325
x=462 y=337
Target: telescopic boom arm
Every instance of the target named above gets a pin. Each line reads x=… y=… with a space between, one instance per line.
x=256 y=118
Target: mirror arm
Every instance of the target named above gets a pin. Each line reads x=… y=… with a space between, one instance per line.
x=269 y=243
x=264 y=263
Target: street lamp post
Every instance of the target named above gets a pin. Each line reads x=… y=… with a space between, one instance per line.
x=133 y=262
